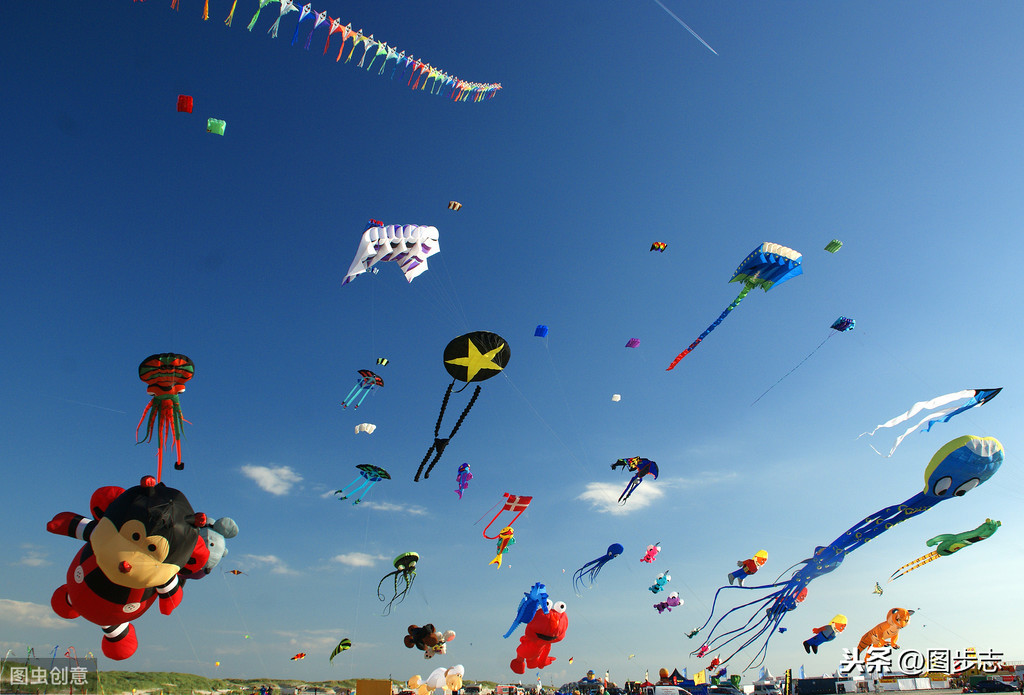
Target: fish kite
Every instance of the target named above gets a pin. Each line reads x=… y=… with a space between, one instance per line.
x=470 y=358
x=165 y=374
x=957 y=468
x=506 y=539
x=975 y=397
x=840 y=325
x=462 y=478
x=767 y=266
x=408 y=245
x=949 y=543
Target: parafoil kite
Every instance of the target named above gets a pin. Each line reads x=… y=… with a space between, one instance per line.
x=659 y=246
x=184 y=103
x=299 y=656
x=215 y=126
x=955 y=469
x=366 y=383
x=506 y=539
x=840 y=325
x=652 y=553
x=641 y=467
x=236 y=572
x=513 y=503
x=454 y=205
x=659 y=583
x=369 y=474
x=590 y=570
x=409 y=245
x=633 y=342
x=382 y=361
x=470 y=358
x=405 y=573
x=975 y=397
x=541 y=332
x=767 y=266
x=462 y=478
x=825 y=633
x=365 y=427
x=885 y=633
x=165 y=375
x=833 y=246
x=343 y=645
x=949 y=543
x=114 y=579
x=616 y=398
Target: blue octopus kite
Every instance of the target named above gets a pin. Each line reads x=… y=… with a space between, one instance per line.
x=955 y=469
x=591 y=568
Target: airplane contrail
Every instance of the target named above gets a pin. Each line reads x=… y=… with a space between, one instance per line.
x=685 y=26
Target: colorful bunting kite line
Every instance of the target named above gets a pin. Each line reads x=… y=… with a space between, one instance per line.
x=443 y=83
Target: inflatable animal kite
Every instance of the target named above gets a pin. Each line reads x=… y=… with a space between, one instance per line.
x=767 y=266
x=547 y=627
x=462 y=478
x=949 y=543
x=591 y=569
x=669 y=603
x=472 y=357
x=137 y=542
x=659 y=583
x=506 y=539
x=165 y=375
x=825 y=633
x=955 y=469
x=885 y=633
x=652 y=553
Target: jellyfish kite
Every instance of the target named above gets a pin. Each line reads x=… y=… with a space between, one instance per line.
x=470 y=358
x=404 y=574
x=840 y=325
x=165 y=375
x=955 y=469
x=767 y=266
x=949 y=543
x=641 y=468
x=366 y=383
x=975 y=397
x=370 y=475
x=590 y=570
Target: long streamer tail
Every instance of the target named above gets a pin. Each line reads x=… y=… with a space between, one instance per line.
x=913 y=565
x=713 y=326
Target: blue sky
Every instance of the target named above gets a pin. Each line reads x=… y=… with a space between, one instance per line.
x=129 y=231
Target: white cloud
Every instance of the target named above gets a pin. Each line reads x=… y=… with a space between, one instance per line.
x=33 y=557
x=605 y=497
x=276 y=481
x=273 y=562
x=358 y=559
x=392 y=507
x=31 y=614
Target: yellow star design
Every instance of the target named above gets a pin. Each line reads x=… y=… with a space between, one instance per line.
x=474 y=361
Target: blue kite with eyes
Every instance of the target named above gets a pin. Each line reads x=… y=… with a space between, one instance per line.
x=954 y=470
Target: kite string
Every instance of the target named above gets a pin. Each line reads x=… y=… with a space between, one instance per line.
x=832 y=333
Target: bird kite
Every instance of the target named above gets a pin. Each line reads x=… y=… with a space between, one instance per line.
x=470 y=358
x=949 y=543
x=975 y=397
x=405 y=572
x=957 y=468
x=165 y=375
x=366 y=383
x=641 y=467
x=590 y=570
x=767 y=266
x=370 y=474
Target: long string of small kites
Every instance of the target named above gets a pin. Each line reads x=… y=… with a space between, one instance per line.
x=440 y=82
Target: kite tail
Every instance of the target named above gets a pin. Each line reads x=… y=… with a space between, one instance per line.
x=310 y=38
x=206 y=11
x=231 y=14
x=274 y=27
x=350 y=52
x=174 y=4
x=913 y=565
x=710 y=328
x=254 y=18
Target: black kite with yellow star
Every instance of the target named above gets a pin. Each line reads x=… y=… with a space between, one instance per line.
x=472 y=357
